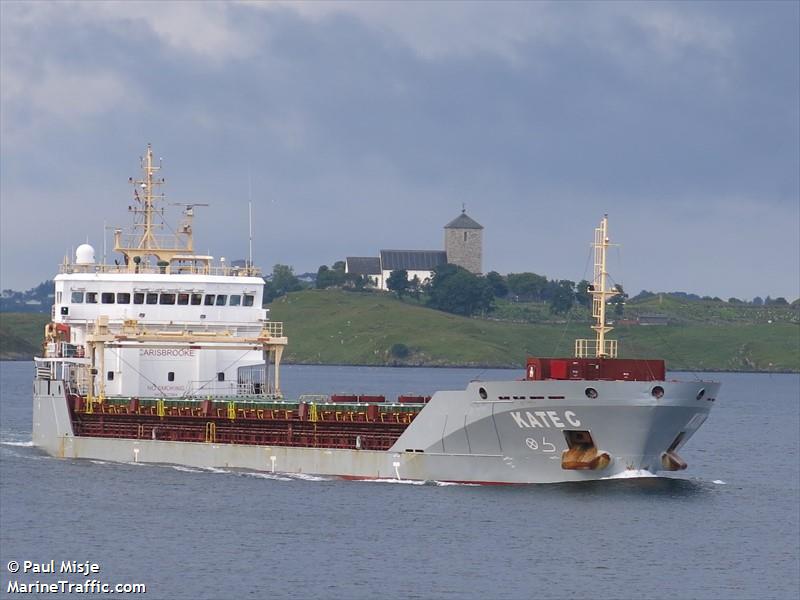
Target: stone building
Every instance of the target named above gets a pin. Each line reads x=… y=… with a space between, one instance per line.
x=463 y=246
x=463 y=243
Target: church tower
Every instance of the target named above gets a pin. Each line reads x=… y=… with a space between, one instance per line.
x=463 y=242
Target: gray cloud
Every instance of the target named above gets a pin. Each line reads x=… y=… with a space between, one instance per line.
x=367 y=125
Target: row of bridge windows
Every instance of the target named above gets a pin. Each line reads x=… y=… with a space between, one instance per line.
x=170 y=376
x=164 y=298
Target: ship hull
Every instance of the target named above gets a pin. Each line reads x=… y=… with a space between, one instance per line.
x=458 y=436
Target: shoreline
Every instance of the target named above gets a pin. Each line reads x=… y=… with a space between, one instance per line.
x=478 y=366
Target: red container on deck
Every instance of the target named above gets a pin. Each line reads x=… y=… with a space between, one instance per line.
x=133 y=406
x=610 y=369
x=372 y=399
x=344 y=399
x=413 y=399
x=558 y=369
x=576 y=369
x=302 y=411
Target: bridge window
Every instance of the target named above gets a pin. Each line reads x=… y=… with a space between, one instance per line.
x=110 y=375
x=248 y=300
x=77 y=297
x=209 y=301
x=123 y=298
x=221 y=376
x=183 y=299
x=167 y=299
x=107 y=297
x=236 y=300
x=221 y=299
x=138 y=297
x=91 y=297
x=171 y=376
x=197 y=299
x=152 y=298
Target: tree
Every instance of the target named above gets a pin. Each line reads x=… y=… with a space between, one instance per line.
x=619 y=300
x=779 y=301
x=359 y=282
x=283 y=281
x=734 y=301
x=333 y=277
x=562 y=296
x=458 y=291
x=498 y=284
x=528 y=286
x=757 y=301
x=583 y=294
x=398 y=282
x=415 y=287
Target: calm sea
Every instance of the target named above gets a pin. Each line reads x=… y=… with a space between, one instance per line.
x=728 y=527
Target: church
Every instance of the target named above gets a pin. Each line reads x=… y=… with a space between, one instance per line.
x=463 y=246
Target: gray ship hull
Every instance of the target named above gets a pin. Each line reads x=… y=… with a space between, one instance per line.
x=516 y=434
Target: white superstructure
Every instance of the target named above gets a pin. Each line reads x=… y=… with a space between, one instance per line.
x=161 y=321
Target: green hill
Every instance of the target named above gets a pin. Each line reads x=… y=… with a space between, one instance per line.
x=21 y=334
x=338 y=327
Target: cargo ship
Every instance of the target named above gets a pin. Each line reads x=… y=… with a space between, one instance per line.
x=167 y=356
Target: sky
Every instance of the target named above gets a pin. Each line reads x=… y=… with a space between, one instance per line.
x=357 y=126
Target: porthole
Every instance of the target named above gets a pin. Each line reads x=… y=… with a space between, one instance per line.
x=658 y=392
x=701 y=393
x=591 y=393
x=482 y=393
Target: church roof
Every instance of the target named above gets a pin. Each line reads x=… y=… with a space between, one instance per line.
x=364 y=265
x=412 y=260
x=463 y=221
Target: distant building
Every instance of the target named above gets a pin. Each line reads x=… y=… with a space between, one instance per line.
x=366 y=266
x=463 y=246
x=417 y=263
x=463 y=243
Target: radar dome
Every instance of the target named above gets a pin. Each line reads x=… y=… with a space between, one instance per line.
x=84 y=255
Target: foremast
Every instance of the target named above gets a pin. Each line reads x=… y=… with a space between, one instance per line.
x=600 y=347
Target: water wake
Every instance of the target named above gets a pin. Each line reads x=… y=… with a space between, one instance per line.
x=632 y=474
x=26 y=444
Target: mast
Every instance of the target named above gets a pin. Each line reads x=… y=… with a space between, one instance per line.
x=601 y=347
x=148 y=240
x=143 y=242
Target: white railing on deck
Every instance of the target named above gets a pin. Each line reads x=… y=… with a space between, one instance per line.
x=226 y=271
x=585 y=348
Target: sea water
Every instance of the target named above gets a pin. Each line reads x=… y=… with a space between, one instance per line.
x=728 y=527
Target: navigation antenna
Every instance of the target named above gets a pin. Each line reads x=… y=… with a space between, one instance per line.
x=142 y=244
x=250 y=217
x=600 y=347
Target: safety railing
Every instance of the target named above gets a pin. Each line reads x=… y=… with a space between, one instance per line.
x=589 y=348
x=182 y=269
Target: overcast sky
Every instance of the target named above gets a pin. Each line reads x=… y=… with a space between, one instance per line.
x=366 y=125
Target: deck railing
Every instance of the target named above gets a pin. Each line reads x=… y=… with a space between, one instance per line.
x=173 y=269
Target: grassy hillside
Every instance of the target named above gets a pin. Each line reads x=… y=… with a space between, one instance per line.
x=21 y=334
x=337 y=327
x=361 y=328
